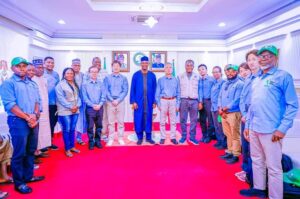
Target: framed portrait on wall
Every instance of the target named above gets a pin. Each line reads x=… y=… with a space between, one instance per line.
x=124 y=58
x=158 y=59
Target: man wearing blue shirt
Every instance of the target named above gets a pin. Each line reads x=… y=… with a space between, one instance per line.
x=168 y=98
x=214 y=95
x=274 y=105
x=21 y=100
x=228 y=105
x=117 y=89
x=93 y=92
x=206 y=122
x=52 y=80
x=253 y=63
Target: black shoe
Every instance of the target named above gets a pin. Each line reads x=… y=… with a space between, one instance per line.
x=53 y=147
x=162 y=141
x=226 y=156
x=99 y=145
x=36 y=179
x=139 y=142
x=37 y=161
x=174 y=141
x=232 y=160
x=217 y=144
x=150 y=141
x=254 y=193
x=91 y=146
x=207 y=140
x=42 y=155
x=23 y=189
x=213 y=136
x=221 y=147
x=44 y=150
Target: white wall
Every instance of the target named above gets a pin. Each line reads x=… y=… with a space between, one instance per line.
x=12 y=43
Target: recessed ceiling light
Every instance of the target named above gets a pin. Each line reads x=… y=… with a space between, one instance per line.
x=151 y=21
x=222 y=24
x=61 y=22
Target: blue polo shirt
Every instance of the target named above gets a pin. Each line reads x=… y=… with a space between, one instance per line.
x=21 y=92
x=274 y=102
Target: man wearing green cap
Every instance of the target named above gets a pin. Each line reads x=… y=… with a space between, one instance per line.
x=228 y=106
x=21 y=100
x=274 y=105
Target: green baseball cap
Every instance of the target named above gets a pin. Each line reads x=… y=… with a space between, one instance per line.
x=272 y=49
x=17 y=60
x=233 y=67
x=292 y=177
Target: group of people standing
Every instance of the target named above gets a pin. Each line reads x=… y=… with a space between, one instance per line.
x=249 y=112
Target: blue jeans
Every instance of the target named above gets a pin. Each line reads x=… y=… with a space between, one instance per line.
x=68 y=125
x=24 y=141
x=188 y=106
x=247 y=163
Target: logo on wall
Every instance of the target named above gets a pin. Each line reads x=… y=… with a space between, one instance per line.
x=137 y=58
x=4 y=73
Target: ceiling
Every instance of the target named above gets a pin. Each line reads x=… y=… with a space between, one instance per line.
x=113 y=19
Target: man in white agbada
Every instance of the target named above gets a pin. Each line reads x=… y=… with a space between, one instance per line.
x=44 y=138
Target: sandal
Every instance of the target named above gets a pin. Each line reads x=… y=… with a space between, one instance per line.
x=69 y=154
x=80 y=142
x=75 y=150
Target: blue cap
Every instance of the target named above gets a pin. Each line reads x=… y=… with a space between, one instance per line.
x=37 y=62
x=144 y=58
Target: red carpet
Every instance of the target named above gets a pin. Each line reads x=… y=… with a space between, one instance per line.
x=136 y=172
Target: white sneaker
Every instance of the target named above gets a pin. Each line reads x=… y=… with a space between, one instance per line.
x=110 y=143
x=121 y=142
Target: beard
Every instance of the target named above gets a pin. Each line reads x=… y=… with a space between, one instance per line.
x=232 y=78
x=266 y=67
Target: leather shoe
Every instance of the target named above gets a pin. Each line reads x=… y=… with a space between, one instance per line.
x=207 y=140
x=232 y=160
x=36 y=179
x=23 y=189
x=174 y=141
x=226 y=156
x=91 y=146
x=221 y=147
x=139 y=142
x=162 y=141
x=98 y=145
x=150 y=141
x=254 y=193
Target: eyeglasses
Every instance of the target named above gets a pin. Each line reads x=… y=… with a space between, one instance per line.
x=267 y=56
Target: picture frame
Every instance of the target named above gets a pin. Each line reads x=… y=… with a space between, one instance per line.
x=124 y=58
x=158 y=59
